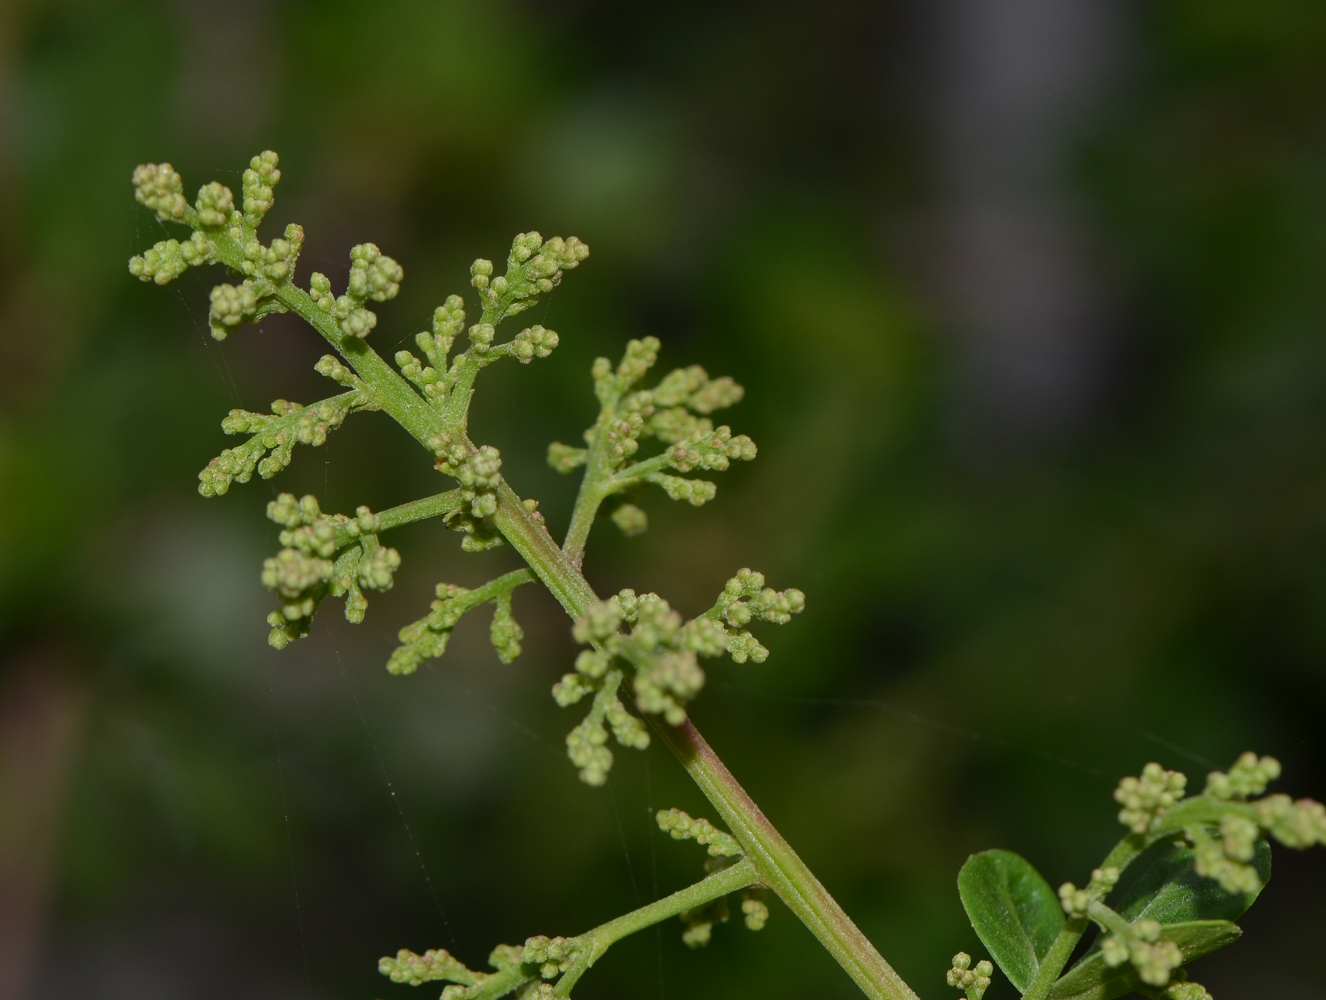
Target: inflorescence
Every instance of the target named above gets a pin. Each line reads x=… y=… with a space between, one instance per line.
x=641 y=653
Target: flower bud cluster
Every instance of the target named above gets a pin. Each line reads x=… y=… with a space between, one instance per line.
x=533 y=267
x=274 y=263
x=258 y=182
x=553 y=956
x=505 y=632
x=564 y=458
x=161 y=189
x=168 y=259
x=1076 y=902
x=336 y=555
x=436 y=381
x=216 y=206
x=744 y=598
x=1146 y=799
x=232 y=305
x=436 y=964
x=754 y=909
x=630 y=519
x=700 y=922
x=674 y=411
x=681 y=826
x=277 y=434
x=1300 y=824
x=432 y=379
x=427 y=638
x=586 y=744
x=1155 y=960
x=1225 y=857
x=373 y=275
x=972 y=981
x=478 y=470
x=1248 y=777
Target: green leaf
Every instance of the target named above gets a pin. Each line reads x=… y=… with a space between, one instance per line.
x=1169 y=890
x=1013 y=910
x=1092 y=979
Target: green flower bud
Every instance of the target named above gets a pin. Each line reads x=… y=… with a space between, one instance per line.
x=1248 y=777
x=681 y=826
x=630 y=519
x=215 y=205
x=161 y=189
x=1145 y=799
x=258 y=182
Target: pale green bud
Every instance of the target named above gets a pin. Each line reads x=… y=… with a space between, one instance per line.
x=215 y=205
x=754 y=909
x=693 y=491
x=630 y=519
x=570 y=689
x=973 y=981
x=290 y=573
x=168 y=259
x=716 y=395
x=481 y=337
x=319 y=288
x=161 y=189
x=1248 y=777
x=601 y=620
x=231 y=306
x=681 y=826
x=373 y=275
x=1298 y=824
x=505 y=632
x=377 y=568
x=258 y=182
x=564 y=458
x=1147 y=798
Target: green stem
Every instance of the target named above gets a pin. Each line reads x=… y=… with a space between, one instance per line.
x=782 y=870
x=592 y=494
x=1107 y=919
x=741 y=875
x=502 y=585
x=588 y=501
x=438 y=505
x=1056 y=958
x=464 y=370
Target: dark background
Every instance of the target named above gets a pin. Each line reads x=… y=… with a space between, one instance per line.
x=1028 y=298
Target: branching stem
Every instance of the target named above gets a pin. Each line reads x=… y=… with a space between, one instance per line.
x=772 y=859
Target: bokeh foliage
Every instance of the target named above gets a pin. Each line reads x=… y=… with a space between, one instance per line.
x=984 y=651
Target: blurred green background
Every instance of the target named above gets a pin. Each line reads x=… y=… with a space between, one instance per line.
x=1028 y=299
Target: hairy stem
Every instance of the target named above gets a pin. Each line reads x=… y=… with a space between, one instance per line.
x=592 y=492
